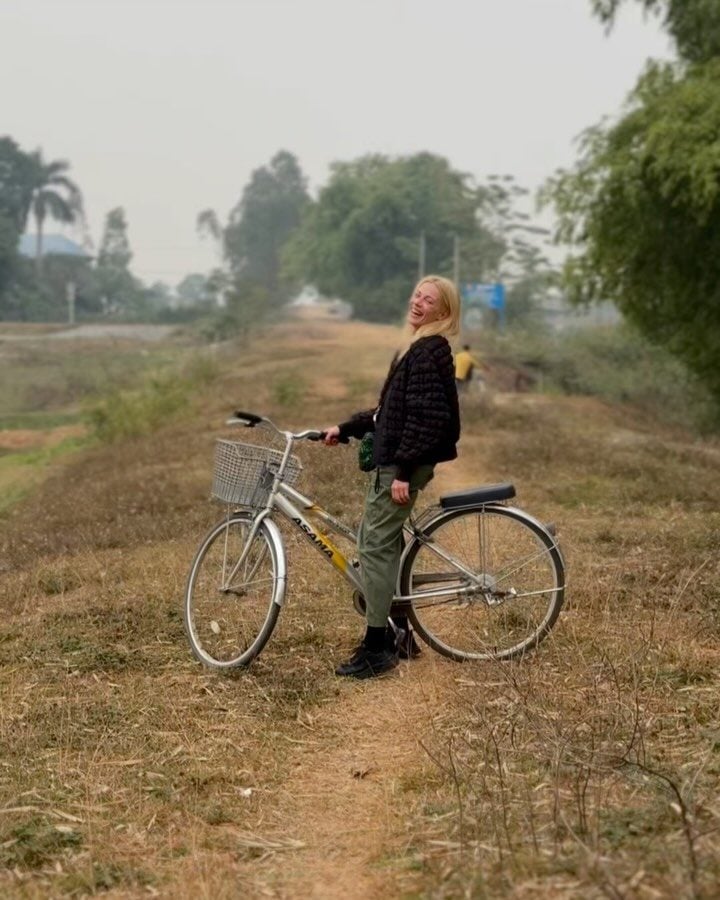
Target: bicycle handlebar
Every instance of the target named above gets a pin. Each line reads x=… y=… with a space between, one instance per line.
x=250 y=420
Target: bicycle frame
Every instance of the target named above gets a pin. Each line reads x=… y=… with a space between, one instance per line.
x=293 y=505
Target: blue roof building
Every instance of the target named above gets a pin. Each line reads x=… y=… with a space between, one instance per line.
x=52 y=244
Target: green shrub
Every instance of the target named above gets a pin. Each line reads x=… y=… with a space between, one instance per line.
x=611 y=362
x=131 y=413
x=159 y=399
x=288 y=390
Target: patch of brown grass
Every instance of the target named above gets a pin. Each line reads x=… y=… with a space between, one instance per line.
x=588 y=769
x=591 y=768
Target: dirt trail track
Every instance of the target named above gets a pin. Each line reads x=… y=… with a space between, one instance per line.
x=347 y=785
x=344 y=800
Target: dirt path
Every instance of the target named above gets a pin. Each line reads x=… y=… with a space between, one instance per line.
x=346 y=797
x=345 y=801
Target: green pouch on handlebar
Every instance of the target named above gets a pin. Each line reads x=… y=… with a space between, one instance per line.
x=365 y=452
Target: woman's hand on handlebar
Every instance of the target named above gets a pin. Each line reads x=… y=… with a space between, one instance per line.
x=331 y=436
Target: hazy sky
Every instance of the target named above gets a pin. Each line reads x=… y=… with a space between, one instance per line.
x=165 y=107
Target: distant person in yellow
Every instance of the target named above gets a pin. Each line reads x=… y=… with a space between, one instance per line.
x=465 y=364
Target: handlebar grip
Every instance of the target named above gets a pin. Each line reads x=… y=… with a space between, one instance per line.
x=249 y=420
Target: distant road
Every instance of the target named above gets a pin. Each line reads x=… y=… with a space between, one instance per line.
x=96 y=332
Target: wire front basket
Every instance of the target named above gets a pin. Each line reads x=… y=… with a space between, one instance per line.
x=243 y=472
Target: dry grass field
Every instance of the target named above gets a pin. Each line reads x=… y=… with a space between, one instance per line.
x=587 y=770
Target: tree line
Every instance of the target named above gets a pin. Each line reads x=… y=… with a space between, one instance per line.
x=375 y=224
x=641 y=207
x=361 y=240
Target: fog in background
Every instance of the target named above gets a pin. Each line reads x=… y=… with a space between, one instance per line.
x=165 y=107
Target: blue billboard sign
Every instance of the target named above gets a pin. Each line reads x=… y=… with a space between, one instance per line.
x=490 y=295
x=476 y=296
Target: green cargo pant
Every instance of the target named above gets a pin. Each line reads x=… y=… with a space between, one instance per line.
x=380 y=542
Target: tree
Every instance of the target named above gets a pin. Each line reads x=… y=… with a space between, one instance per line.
x=16 y=183
x=361 y=240
x=51 y=290
x=693 y=24
x=53 y=194
x=115 y=250
x=118 y=286
x=532 y=277
x=267 y=214
x=15 y=195
x=642 y=207
x=8 y=254
x=208 y=225
x=193 y=290
x=246 y=305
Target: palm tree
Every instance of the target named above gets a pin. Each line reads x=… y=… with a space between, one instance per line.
x=54 y=195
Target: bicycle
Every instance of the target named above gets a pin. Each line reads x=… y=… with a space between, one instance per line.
x=478 y=579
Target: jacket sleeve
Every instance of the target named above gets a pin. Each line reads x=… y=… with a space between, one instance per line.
x=427 y=412
x=358 y=424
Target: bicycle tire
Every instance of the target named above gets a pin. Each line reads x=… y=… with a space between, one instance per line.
x=521 y=571
x=228 y=624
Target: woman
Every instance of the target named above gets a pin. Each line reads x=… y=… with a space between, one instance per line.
x=416 y=425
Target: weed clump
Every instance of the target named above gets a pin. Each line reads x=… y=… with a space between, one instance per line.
x=610 y=362
x=36 y=842
x=161 y=398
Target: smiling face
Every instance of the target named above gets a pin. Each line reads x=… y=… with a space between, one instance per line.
x=425 y=305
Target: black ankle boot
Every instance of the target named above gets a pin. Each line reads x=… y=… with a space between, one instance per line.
x=366 y=663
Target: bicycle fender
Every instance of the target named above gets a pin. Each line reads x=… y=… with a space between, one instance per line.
x=276 y=538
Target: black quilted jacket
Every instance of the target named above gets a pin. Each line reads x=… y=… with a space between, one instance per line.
x=419 y=420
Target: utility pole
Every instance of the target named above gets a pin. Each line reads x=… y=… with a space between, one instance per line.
x=421 y=256
x=70 y=292
x=456 y=260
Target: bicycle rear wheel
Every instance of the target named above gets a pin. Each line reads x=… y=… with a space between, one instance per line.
x=230 y=610
x=512 y=601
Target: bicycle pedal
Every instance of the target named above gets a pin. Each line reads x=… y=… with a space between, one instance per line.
x=401 y=635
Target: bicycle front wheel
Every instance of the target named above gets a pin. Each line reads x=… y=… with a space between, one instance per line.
x=234 y=592
x=487 y=584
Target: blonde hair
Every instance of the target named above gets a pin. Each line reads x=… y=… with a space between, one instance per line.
x=448 y=325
